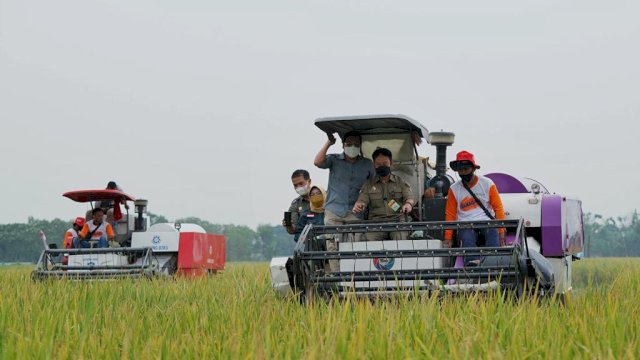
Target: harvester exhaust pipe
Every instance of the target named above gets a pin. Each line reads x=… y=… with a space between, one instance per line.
x=141 y=208
x=441 y=140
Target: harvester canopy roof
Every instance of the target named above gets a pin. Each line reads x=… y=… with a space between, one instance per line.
x=97 y=195
x=371 y=124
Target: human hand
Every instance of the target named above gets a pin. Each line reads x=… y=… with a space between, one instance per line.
x=406 y=208
x=331 y=139
x=430 y=193
x=289 y=228
x=416 y=138
x=358 y=207
x=446 y=244
x=502 y=239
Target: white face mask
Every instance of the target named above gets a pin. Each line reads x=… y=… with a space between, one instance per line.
x=302 y=190
x=352 y=151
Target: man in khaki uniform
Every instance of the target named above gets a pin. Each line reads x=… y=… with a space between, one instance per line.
x=301 y=184
x=387 y=196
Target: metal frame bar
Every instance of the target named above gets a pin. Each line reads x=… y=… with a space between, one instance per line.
x=57 y=270
x=311 y=258
x=359 y=254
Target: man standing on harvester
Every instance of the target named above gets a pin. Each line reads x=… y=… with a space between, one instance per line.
x=347 y=172
x=473 y=198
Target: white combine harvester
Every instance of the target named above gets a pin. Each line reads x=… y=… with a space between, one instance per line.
x=544 y=232
x=143 y=251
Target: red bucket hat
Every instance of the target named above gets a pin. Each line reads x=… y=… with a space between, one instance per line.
x=464 y=158
x=79 y=221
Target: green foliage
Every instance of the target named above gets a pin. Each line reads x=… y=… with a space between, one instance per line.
x=612 y=236
x=155 y=218
x=21 y=243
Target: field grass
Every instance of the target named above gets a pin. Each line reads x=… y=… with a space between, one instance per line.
x=235 y=315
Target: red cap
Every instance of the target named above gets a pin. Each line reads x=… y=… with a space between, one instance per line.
x=79 y=221
x=462 y=158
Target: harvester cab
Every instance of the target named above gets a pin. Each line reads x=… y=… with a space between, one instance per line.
x=139 y=249
x=544 y=231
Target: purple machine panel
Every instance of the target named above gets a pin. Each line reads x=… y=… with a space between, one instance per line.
x=562 y=230
x=552 y=225
x=562 y=227
x=507 y=184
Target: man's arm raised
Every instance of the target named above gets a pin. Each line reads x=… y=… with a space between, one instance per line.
x=322 y=154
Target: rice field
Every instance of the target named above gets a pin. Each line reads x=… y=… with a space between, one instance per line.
x=235 y=315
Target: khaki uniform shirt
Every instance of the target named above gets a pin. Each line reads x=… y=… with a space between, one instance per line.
x=385 y=200
x=298 y=206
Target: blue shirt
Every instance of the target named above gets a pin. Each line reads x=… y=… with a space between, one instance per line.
x=345 y=181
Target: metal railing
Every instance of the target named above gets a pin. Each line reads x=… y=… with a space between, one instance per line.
x=139 y=263
x=506 y=265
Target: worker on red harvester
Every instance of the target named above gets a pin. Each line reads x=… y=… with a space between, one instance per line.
x=315 y=214
x=95 y=230
x=302 y=184
x=111 y=208
x=72 y=233
x=472 y=198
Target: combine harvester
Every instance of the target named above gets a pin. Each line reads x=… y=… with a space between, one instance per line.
x=544 y=232
x=144 y=251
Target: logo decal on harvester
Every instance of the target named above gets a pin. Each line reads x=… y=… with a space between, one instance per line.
x=156 y=239
x=384 y=263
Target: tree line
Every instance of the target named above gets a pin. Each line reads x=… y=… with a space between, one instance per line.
x=604 y=237
x=21 y=243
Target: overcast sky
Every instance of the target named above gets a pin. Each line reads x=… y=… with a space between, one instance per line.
x=206 y=107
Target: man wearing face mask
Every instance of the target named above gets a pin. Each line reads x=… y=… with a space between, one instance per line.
x=315 y=214
x=347 y=172
x=301 y=184
x=472 y=198
x=387 y=196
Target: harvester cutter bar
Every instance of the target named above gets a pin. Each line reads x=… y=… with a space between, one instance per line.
x=99 y=267
x=50 y=266
x=487 y=272
x=83 y=251
x=94 y=275
x=364 y=254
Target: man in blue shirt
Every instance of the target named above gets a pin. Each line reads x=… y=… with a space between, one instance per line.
x=347 y=173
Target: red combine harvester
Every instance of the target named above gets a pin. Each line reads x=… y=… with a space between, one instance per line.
x=139 y=249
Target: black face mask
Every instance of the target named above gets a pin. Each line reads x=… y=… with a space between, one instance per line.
x=466 y=178
x=383 y=171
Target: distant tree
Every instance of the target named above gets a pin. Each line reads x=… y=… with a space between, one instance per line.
x=612 y=236
x=155 y=218
x=275 y=241
x=21 y=242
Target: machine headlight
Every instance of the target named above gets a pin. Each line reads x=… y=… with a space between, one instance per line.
x=535 y=188
x=440 y=138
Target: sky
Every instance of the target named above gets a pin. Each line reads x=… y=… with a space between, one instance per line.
x=206 y=107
